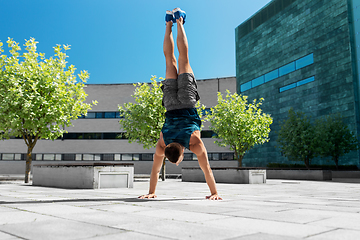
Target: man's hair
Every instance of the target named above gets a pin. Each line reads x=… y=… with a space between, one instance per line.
x=173 y=151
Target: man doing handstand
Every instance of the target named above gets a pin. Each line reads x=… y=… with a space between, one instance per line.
x=182 y=123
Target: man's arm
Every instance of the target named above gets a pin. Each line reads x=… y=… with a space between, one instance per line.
x=157 y=163
x=197 y=146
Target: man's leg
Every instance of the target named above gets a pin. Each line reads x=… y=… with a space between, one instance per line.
x=170 y=88
x=171 y=65
x=182 y=44
x=187 y=88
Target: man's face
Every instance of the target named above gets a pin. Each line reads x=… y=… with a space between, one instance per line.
x=180 y=159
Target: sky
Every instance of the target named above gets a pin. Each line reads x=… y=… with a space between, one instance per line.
x=120 y=41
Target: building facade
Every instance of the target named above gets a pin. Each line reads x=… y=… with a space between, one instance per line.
x=98 y=135
x=301 y=54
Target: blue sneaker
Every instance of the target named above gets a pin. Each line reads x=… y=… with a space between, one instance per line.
x=170 y=17
x=178 y=13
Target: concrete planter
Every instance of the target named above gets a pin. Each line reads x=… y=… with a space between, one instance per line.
x=299 y=174
x=226 y=175
x=84 y=175
x=345 y=174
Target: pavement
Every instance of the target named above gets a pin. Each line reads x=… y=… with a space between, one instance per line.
x=279 y=209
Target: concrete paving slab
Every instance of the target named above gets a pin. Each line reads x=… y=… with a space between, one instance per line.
x=337 y=234
x=183 y=230
x=267 y=226
x=57 y=229
x=263 y=236
x=5 y=236
x=276 y=210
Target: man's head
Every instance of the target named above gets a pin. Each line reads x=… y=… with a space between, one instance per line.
x=174 y=152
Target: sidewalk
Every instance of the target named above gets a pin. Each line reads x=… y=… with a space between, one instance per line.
x=279 y=209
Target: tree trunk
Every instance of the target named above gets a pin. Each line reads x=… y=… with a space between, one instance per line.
x=336 y=160
x=307 y=163
x=240 y=158
x=163 y=171
x=28 y=165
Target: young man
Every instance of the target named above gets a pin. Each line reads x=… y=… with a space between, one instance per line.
x=182 y=123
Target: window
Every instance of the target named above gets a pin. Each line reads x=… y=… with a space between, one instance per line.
x=90 y=115
x=99 y=115
x=257 y=81
x=288 y=87
x=297 y=84
x=305 y=81
x=288 y=68
x=305 y=61
x=245 y=86
x=110 y=114
x=272 y=75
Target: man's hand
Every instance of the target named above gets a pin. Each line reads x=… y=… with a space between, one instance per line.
x=150 y=195
x=214 y=197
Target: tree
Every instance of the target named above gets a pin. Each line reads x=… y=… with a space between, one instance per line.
x=144 y=119
x=296 y=138
x=335 y=138
x=239 y=124
x=38 y=97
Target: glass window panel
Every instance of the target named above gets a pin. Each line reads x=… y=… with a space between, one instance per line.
x=73 y=135
x=99 y=115
x=288 y=68
x=245 y=86
x=147 y=156
x=49 y=157
x=194 y=157
x=78 y=157
x=58 y=157
x=7 y=156
x=136 y=157
x=293 y=85
x=227 y=156
x=257 y=81
x=109 y=135
x=117 y=157
x=272 y=75
x=305 y=61
x=305 y=81
x=126 y=157
x=90 y=115
x=18 y=156
x=89 y=157
x=92 y=135
x=81 y=116
x=108 y=157
x=67 y=157
x=97 y=157
x=110 y=114
x=215 y=156
x=188 y=156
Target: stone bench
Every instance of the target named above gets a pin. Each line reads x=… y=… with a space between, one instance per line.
x=226 y=175
x=84 y=175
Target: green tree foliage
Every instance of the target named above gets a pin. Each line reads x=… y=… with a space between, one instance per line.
x=38 y=96
x=239 y=124
x=334 y=137
x=296 y=138
x=143 y=120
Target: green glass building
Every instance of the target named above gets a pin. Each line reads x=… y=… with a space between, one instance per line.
x=301 y=54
